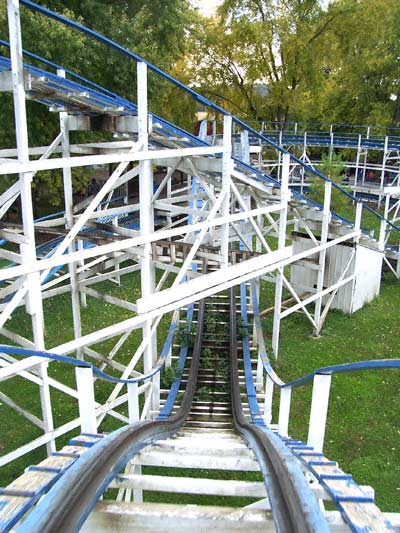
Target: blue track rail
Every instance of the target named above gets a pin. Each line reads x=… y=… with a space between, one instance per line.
x=335 y=480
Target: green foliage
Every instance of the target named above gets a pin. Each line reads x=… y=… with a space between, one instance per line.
x=302 y=60
x=184 y=335
x=332 y=167
x=241 y=328
x=170 y=374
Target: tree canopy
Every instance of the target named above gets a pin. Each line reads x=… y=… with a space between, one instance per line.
x=273 y=60
x=302 y=60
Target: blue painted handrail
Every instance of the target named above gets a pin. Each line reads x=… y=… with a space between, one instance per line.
x=374 y=364
x=24 y=352
x=195 y=95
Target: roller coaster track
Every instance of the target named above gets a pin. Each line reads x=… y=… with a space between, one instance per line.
x=74 y=481
x=294 y=507
x=67 y=505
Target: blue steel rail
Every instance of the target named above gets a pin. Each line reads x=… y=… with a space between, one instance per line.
x=342 y=489
x=375 y=364
x=33 y=496
x=336 y=140
x=70 y=501
x=196 y=96
x=293 y=505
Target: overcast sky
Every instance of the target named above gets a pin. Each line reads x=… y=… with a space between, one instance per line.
x=207 y=7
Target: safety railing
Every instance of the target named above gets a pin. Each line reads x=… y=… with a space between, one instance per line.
x=91 y=413
x=321 y=378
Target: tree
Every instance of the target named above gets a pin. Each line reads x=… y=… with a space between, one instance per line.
x=152 y=28
x=267 y=57
x=362 y=76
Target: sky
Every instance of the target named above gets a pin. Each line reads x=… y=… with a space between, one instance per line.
x=206 y=7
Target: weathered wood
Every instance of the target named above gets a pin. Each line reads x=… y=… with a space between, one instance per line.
x=168 y=518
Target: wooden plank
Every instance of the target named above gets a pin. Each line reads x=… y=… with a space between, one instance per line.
x=168 y=518
x=188 y=485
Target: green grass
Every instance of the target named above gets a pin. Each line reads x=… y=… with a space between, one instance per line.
x=15 y=429
x=363 y=423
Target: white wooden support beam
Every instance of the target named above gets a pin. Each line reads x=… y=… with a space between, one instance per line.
x=90 y=160
x=87 y=405
x=213 y=282
x=284 y=411
x=326 y=218
x=227 y=166
x=69 y=214
x=133 y=403
x=146 y=221
x=319 y=411
x=268 y=398
x=285 y=195
x=358 y=218
x=28 y=249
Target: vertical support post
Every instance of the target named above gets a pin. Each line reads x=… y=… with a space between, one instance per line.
x=260 y=367
x=268 y=398
x=319 y=411
x=284 y=411
x=383 y=226
x=69 y=215
x=384 y=159
x=358 y=218
x=146 y=227
x=226 y=177
x=169 y=194
x=365 y=157
x=285 y=195
x=117 y=278
x=326 y=217
x=82 y=264
x=86 y=402
x=357 y=165
x=245 y=146
x=280 y=155
x=133 y=403
x=34 y=305
x=382 y=234
x=134 y=416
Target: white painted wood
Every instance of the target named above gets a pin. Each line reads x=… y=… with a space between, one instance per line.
x=268 y=398
x=284 y=411
x=319 y=411
x=90 y=160
x=86 y=402
x=167 y=518
x=227 y=166
x=196 y=286
x=190 y=485
x=210 y=462
x=285 y=196
x=133 y=402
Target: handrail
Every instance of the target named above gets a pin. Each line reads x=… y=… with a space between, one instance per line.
x=374 y=364
x=71 y=499
x=59 y=67
x=197 y=96
x=24 y=352
x=340 y=124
